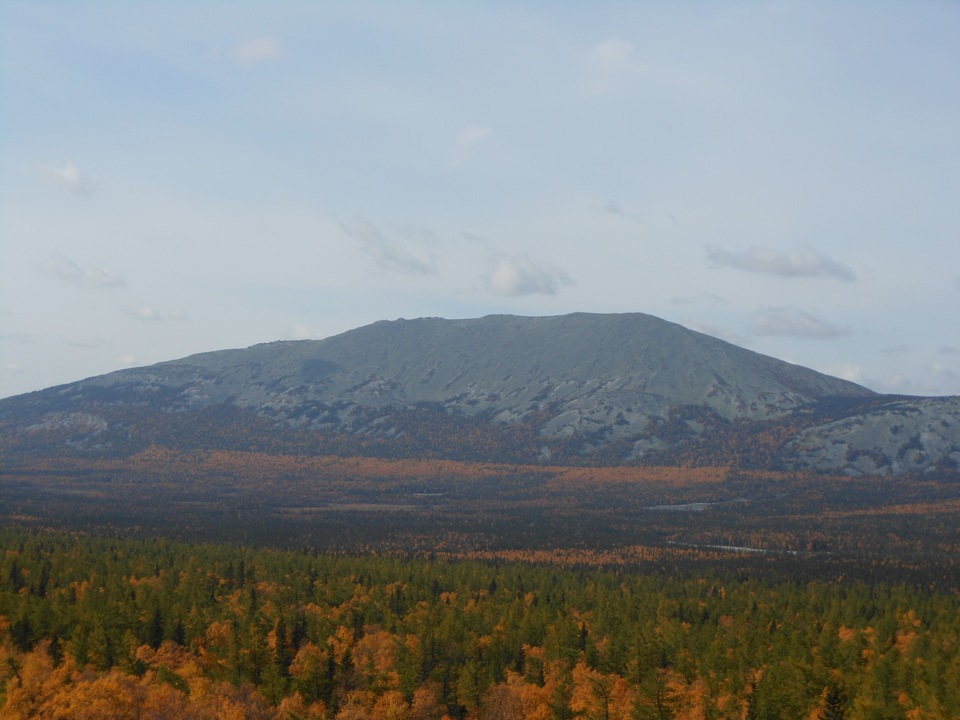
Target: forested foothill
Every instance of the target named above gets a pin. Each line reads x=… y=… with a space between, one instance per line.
x=100 y=627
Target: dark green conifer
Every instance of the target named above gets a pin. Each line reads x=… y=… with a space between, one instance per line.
x=155 y=633
x=833 y=704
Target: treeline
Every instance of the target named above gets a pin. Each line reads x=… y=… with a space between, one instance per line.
x=120 y=628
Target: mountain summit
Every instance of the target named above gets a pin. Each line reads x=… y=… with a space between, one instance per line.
x=579 y=388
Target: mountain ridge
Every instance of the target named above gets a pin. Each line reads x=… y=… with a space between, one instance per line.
x=626 y=387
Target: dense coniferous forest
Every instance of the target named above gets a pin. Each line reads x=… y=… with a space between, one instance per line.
x=93 y=626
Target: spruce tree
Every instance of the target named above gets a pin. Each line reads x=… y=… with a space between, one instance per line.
x=833 y=703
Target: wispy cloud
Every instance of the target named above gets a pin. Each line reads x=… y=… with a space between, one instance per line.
x=148 y=313
x=711 y=298
x=795 y=323
x=614 y=67
x=612 y=207
x=71 y=178
x=466 y=142
x=386 y=254
x=87 y=343
x=68 y=271
x=949 y=350
x=258 y=50
x=610 y=54
x=419 y=234
x=608 y=66
x=799 y=262
x=516 y=275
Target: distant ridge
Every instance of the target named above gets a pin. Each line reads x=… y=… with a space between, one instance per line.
x=600 y=388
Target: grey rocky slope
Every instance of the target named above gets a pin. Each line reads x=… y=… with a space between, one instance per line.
x=610 y=378
x=899 y=436
x=589 y=369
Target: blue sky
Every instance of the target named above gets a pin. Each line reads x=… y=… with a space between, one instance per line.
x=182 y=177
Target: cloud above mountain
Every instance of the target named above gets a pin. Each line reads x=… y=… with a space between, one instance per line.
x=608 y=67
x=72 y=178
x=516 y=275
x=794 y=322
x=467 y=142
x=69 y=271
x=386 y=254
x=150 y=314
x=257 y=50
x=798 y=262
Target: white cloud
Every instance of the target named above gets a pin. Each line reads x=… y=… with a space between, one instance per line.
x=128 y=360
x=611 y=67
x=300 y=332
x=68 y=271
x=516 y=275
x=711 y=298
x=949 y=350
x=147 y=313
x=794 y=322
x=799 y=262
x=258 y=50
x=466 y=142
x=72 y=178
x=610 y=55
x=386 y=255
x=608 y=66
x=846 y=371
x=944 y=371
x=90 y=343
x=935 y=379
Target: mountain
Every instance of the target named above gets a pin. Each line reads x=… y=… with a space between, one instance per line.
x=581 y=388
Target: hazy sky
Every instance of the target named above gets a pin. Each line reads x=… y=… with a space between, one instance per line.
x=189 y=176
